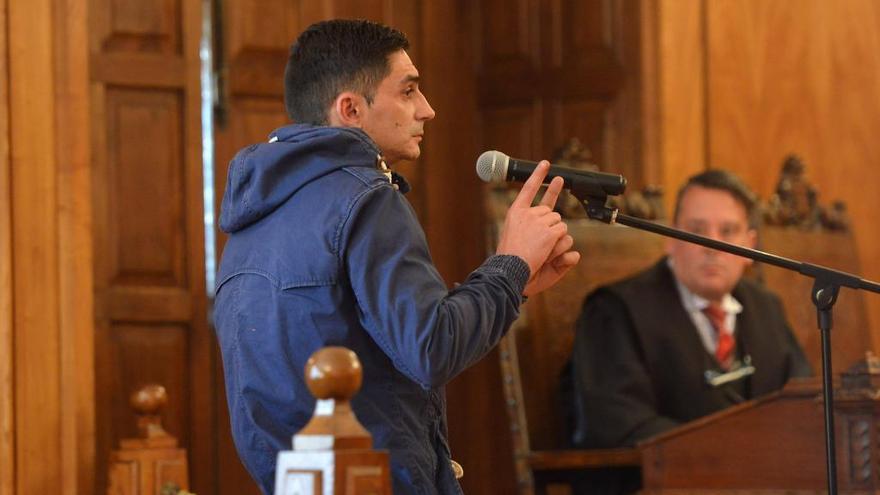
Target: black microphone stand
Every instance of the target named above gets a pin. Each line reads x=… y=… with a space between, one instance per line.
x=826 y=285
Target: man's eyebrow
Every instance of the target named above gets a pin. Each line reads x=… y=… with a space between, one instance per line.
x=409 y=78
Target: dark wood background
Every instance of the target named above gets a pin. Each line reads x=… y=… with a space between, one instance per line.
x=101 y=259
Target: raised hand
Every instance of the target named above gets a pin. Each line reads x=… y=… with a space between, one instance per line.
x=561 y=260
x=537 y=234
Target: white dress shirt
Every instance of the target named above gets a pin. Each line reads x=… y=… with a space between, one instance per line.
x=694 y=306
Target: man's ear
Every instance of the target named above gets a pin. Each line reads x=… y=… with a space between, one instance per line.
x=347 y=110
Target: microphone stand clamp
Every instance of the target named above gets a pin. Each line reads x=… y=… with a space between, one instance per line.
x=596 y=208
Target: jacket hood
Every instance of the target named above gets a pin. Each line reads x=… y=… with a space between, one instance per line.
x=263 y=176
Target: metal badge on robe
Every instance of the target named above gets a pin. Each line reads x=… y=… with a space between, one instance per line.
x=738 y=370
x=396 y=180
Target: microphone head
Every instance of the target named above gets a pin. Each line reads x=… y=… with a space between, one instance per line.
x=492 y=166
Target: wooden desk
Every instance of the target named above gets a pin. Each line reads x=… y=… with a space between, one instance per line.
x=773 y=443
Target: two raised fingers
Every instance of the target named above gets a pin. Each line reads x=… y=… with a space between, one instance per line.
x=531 y=187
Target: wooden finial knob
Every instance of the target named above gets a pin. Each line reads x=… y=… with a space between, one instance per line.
x=333 y=373
x=147 y=402
x=149 y=399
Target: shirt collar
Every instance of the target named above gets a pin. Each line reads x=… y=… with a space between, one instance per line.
x=693 y=302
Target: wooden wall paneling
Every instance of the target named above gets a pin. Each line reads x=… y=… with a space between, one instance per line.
x=852 y=334
x=7 y=388
x=801 y=77
x=515 y=129
x=849 y=158
x=452 y=215
x=47 y=419
x=763 y=74
x=626 y=131
x=145 y=178
x=153 y=27
x=136 y=348
x=573 y=32
x=558 y=62
x=770 y=62
x=507 y=52
x=255 y=46
x=649 y=89
x=35 y=240
x=681 y=92
x=577 y=46
x=506 y=33
x=151 y=309
x=75 y=244
x=378 y=10
x=587 y=119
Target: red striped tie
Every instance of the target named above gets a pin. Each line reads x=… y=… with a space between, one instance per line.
x=724 y=350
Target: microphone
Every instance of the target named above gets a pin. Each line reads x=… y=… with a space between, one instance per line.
x=495 y=166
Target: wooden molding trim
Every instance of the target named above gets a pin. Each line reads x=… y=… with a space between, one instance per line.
x=7 y=437
x=34 y=244
x=73 y=169
x=46 y=345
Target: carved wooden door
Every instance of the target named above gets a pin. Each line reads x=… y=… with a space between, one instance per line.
x=150 y=304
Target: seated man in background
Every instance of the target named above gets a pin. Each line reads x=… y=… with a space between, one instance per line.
x=646 y=348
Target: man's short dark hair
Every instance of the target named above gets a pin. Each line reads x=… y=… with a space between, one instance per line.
x=330 y=57
x=722 y=180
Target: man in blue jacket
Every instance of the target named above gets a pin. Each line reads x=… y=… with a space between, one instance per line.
x=324 y=250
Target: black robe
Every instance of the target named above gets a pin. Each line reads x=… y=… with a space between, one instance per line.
x=638 y=363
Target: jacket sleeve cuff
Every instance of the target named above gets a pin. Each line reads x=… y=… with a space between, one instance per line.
x=513 y=267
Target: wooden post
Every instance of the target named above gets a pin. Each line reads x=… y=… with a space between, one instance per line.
x=332 y=454
x=151 y=464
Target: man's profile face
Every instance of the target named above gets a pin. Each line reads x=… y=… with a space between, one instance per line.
x=396 y=118
x=716 y=214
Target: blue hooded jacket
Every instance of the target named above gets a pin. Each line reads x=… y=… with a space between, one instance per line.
x=323 y=250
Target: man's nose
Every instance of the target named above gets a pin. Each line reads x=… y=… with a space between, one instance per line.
x=425 y=112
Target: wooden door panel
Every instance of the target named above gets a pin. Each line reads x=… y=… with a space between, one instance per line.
x=513 y=129
x=559 y=55
x=145 y=353
x=507 y=32
x=585 y=119
x=150 y=304
x=138 y=27
x=249 y=32
x=146 y=182
x=576 y=31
